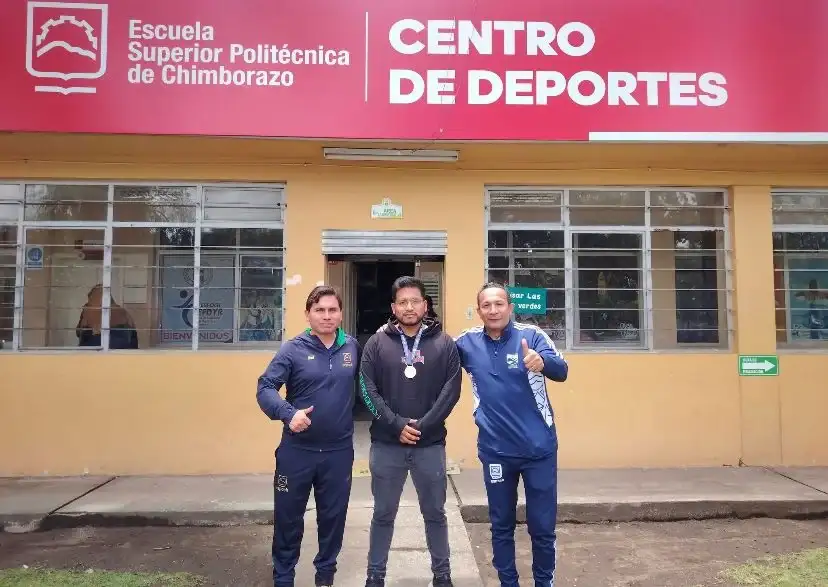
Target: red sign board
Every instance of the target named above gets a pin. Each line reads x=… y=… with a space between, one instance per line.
x=731 y=70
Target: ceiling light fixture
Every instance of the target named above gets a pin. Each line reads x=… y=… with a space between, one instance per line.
x=422 y=155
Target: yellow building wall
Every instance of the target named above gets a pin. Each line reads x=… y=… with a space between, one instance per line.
x=156 y=412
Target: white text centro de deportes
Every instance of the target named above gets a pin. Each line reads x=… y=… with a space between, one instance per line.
x=531 y=87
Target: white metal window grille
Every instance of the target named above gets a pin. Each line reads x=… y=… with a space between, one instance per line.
x=636 y=268
x=800 y=262
x=125 y=266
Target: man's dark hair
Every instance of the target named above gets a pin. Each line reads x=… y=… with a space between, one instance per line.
x=406 y=281
x=319 y=292
x=495 y=285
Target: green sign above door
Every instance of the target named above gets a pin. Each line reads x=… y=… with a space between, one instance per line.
x=758 y=365
x=528 y=300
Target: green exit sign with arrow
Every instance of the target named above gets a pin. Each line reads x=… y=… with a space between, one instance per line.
x=758 y=365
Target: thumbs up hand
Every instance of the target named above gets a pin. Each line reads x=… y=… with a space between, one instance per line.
x=531 y=359
x=300 y=420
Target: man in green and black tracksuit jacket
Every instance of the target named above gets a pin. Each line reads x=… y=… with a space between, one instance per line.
x=318 y=367
x=410 y=381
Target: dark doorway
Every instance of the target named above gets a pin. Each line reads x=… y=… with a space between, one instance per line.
x=373 y=294
x=373 y=302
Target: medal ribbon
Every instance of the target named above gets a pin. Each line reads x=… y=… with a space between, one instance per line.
x=409 y=354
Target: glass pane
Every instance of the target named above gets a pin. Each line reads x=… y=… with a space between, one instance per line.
x=808 y=296
x=801 y=288
x=689 y=288
x=686 y=199
x=605 y=207
x=498 y=261
x=249 y=310
x=606 y=241
x=810 y=218
x=527 y=240
x=702 y=240
x=609 y=287
x=78 y=203
x=533 y=259
x=62 y=293
x=604 y=198
x=217 y=298
x=217 y=294
x=10 y=192
x=800 y=241
x=260 y=311
x=240 y=204
x=780 y=297
x=270 y=239
x=8 y=263
x=137 y=287
x=687 y=217
x=697 y=300
x=499 y=276
x=220 y=239
x=155 y=204
x=548 y=274
x=525 y=207
x=800 y=208
x=10 y=202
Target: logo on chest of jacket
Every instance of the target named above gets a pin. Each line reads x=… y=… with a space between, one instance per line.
x=347 y=360
x=512 y=361
x=418 y=358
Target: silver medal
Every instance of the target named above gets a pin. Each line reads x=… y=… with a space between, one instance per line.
x=410 y=371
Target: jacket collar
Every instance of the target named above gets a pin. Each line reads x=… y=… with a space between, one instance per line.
x=506 y=334
x=338 y=341
x=431 y=327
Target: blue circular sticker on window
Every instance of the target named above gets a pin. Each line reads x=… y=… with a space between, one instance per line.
x=34 y=258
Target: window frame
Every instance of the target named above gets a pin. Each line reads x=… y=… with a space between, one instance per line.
x=19 y=258
x=643 y=298
x=790 y=345
x=21 y=286
x=646 y=230
x=691 y=254
x=109 y=225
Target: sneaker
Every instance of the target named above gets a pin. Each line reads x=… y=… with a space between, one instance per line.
x=373 y=581
x=442 y=581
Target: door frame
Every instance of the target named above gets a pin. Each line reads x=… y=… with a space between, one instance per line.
x=349 y=281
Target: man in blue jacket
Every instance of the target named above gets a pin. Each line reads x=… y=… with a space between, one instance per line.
x=508 y=362
x=319 y=369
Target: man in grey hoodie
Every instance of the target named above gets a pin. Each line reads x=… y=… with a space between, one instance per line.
x=410 y=381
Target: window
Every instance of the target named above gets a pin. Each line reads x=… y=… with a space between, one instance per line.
x=800 y=262
x=117 y=267
x=618 y=268
x=10 y=204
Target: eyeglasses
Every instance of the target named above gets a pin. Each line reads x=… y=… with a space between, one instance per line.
x=413 y=303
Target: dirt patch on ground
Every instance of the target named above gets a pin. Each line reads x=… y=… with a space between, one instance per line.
x=681 y=554
x=684 y=554
x=226 y=556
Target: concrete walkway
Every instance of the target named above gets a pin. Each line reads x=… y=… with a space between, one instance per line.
x=585 y=496
x=601 y=495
